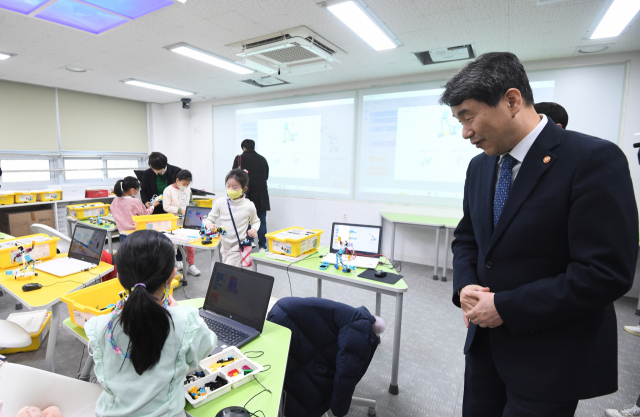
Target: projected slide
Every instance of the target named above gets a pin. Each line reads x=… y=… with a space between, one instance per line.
x=291 y=146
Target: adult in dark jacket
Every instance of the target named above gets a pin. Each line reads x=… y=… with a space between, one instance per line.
x=332 y=345
x=158 y=177
x=258 y=169
x=548 y=241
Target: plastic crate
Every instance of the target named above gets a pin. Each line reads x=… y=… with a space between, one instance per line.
x=44 y=248
x=81 y=303
x=6 y=198
x=49 y=195
x=294 y=241
x=159 y=222
x=97 y=192
x=86 y=211
x=20 y=197
x=203 y=202
x=36 y=338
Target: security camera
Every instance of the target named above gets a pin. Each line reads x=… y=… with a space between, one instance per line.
x=185 y=103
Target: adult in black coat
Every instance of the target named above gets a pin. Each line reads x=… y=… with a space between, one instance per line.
x=158 y=177
x=547 y=243
x=258 y=169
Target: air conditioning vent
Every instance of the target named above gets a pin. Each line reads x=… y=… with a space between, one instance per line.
x=296 y=53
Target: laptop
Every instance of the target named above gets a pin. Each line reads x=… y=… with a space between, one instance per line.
x=236 y=304
x=366 y=241
x=85 y=252
x=194 y=216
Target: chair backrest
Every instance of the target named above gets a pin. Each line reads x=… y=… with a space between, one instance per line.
x=13 y=336
x=22 y=386
x=63 y=244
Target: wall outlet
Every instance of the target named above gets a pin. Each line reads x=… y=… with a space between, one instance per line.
x=345 y=217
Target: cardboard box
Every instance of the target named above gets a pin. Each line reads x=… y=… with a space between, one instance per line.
x=18 y=222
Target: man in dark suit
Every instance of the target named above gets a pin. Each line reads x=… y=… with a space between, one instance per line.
x=159 y=176
x=258 y=169
x=549 y=239
x=554 y=111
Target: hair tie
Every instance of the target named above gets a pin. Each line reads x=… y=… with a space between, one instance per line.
x=122 y=189
x=140 y=284
x=245 y=171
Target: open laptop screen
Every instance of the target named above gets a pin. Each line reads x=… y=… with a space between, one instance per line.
x=239 y=294
x=194 y=215
x=87 y=244
x=365 y=239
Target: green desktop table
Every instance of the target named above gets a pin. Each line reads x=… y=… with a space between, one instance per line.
x=438 y=223
x=5 y=236
x=274 y=342
x=310 y=267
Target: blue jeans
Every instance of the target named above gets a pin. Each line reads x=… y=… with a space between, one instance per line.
x=262 y=240
x=122 y=238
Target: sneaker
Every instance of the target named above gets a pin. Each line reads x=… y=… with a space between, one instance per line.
x=262 y=250
x=635 y=330
x=193 y=270
x=179 y=265
x=628 y=411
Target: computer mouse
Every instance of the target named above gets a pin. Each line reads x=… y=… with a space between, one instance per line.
x=32 y=286
x=380 y=274
x=234 y=412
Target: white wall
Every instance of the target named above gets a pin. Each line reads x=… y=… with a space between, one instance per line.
x=174 y=131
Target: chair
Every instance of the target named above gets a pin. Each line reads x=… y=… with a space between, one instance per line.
x=63 y=243
x=22 y=386
x=13 y=336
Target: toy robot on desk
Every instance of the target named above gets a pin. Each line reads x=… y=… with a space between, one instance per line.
x=346 y=248
x=98 y=221
x=209 y=235
x=28 y=268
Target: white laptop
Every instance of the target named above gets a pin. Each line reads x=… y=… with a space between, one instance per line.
x=84 y=253
x=366 y=242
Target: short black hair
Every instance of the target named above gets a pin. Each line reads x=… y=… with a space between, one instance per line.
x=487 y=79
x=248 y=144
x=184 y=174
x=157 y=160
x=554 y=111
x=239 y=175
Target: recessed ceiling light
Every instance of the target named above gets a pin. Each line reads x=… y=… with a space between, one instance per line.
x=208 y=97
x=152 y=86
x=5 y=55
x=76 y=69
x=616 y=18
x=209 y=58
x=359 y=17
x=592 y=49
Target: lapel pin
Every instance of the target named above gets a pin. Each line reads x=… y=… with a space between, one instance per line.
x=546 y=159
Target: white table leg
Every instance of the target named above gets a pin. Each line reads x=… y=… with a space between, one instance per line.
x=393 y=241
x=378 y=303
x=86 y=369
x=446 y=254
x=53 y=336
x=435 y=264
x=213 y=262
x=69 y=229
x=254 y=266
x=319 y=293
x=185 y=265
x=110 y=239
x=395 y=361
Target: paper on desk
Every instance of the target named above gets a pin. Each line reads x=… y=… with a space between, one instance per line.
x=294 y=234
x=288 y=258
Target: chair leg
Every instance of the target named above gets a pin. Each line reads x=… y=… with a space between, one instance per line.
x=86 y=369
x=363 y=402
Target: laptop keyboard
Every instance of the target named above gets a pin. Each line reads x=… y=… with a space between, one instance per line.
x=227 y=334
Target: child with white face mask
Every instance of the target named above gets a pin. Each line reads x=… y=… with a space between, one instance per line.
x=175 y=199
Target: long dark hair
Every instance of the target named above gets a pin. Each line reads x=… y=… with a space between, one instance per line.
x=146 y=257
x=122 y=186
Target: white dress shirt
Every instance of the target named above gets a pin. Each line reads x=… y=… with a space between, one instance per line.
x=521 y=149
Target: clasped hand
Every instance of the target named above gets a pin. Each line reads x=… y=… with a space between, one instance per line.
x=478 y=307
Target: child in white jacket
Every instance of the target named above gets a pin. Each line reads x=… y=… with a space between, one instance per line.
x=244 y=214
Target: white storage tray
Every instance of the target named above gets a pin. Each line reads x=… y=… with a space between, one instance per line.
x=212 y=395
x=240 y=361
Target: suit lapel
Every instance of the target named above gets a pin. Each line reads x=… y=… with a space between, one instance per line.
x=531 y=170
x=489 y=175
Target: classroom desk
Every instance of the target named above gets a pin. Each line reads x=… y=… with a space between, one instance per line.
x=424 y=221
x=49 y=297
x=274 y=342
x=110 y=227
x=309 y=267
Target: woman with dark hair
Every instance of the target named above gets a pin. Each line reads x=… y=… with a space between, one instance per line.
x=144 y=349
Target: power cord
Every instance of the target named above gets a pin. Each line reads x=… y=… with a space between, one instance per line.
x=62 y=282
x=293 y=263
x=263 y=390
x=80 y=364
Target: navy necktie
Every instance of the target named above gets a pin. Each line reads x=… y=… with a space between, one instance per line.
x=503 y=187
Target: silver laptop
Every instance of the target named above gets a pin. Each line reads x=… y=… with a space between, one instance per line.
x=236 y=305
x=85 y=252
x=366 y=242
x=194 y=216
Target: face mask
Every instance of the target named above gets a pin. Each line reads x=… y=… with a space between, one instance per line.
x=181 y=187
x=233 y=194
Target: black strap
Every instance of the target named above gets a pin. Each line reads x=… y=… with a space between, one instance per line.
x=234 y=224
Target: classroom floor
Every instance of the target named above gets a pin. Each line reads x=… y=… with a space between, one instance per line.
x=431 y=363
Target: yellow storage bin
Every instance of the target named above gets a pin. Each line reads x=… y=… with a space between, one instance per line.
x=165 y=221
x=25 y=197
x=81 y=303
x=203 y=202
x=44 y=248
x=294 y=241
x=6 y=198
x=36 y=339
x=49 y=195
x=86 y=211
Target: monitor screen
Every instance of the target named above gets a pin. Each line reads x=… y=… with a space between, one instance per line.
x=365 y=239
x=194 y=216
x=239 y=294
x=87 y=243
